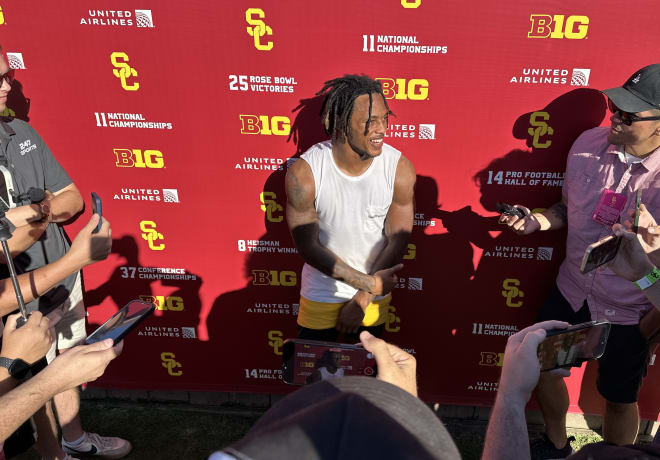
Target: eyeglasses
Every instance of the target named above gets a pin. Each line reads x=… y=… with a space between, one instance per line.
x=8 y=77
x=627 y=118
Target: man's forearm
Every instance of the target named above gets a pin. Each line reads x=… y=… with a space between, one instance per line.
x=65 y=205
x=22 y=402
x=553 y=218
x=506 y=437
x=22 y=238
x=37 y=282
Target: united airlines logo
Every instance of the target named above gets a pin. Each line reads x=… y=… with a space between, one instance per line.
x=258 y=28
x=552 y=76
x=118 y=18
x=580 y=77
x=15 y=60
x=143 y=18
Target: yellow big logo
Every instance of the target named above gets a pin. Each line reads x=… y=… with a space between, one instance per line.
x=123 y=71
x=263 y=124
x=150 y=234
x=2 y=16
x=172 y=303
x=274 y=278
x=490 y=358
x=415 y=89
x=540 y=128
x=136 y=158
x=412 y=252
x=254 y=17
x=275 y=341
x=558 y=26
x=511 y=292
x=411 y=3
x=169 y=363
x=270 y=206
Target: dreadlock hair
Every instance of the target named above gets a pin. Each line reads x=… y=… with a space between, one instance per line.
x=340 y=95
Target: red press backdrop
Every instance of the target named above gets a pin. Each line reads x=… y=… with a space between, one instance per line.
x=183 y=116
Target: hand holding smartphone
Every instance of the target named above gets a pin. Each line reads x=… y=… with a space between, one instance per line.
x=122 y=322
x=600 y=253
x=97 y=209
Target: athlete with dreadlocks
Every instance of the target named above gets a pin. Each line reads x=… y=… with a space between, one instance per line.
x=350 y=211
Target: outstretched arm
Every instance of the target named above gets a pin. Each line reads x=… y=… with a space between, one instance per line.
x=304 y=226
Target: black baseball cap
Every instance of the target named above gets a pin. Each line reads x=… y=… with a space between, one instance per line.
x=640 y=92
x=348 y=418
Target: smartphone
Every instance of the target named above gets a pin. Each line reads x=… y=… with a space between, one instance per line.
x=574 y=345
x=122 y=322
x=600 y=253
x=504 y=208
x=96 y=209
x=308 y=361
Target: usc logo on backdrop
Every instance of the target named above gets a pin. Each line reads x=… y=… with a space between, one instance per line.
x=275 y=341
x=169 y=362
x=393 y=321
x=149 y=233
x=270 y=206
x=411 y=3
x=263 y=124
x=558 y=26
x=136 y=158
x=540 y=128
x=2 y=16
x=259 y=28
x=123 y=71
x=511 y=292
x=415 y=89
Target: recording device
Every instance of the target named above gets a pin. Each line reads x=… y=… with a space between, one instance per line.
x=600 y=253
x=504 y=208
x=122 y=322
x=33 y=195
x=574 y=345
x=96 y=209
x=307 y=361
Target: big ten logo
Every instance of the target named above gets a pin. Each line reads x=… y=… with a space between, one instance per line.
x=511 y=292
x=169 y=362
x=490 y=358
x=274 y=278
x=275 y=341
x=136 y=158
x=539 y=129
x=558 y=26
x=263 y=124
x=411 y=252
x=392 y=321
x=411 y=3
x=2 y=17
x=123 y=71
x=271 y=207
x=163 y=303
x=415 y=89
x=149 y=233
x=254 y=17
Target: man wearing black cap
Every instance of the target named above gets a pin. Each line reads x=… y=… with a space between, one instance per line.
x=605 y=169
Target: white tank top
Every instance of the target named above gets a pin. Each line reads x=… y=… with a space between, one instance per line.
x=351 y=212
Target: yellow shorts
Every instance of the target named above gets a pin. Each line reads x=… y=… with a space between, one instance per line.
x=323 y=315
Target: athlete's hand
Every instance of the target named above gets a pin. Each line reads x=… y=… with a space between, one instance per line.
x=350 y=317
x=385 y=280
x=521 y=225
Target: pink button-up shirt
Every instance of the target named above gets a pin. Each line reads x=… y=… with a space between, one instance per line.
x=594 y=165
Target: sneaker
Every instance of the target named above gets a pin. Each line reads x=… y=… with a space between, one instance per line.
x=99 y=446
x=544 y=449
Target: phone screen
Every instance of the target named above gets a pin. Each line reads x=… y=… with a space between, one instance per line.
x=572 y=346
x=308 y=361
x=122 y=322
x=599 y=253
x=97 y=209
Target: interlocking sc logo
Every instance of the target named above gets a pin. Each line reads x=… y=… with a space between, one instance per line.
x=490 y=358
x=415 y=89
x=270 y=206
x=162 y=303
x=274 y=278
x=511 y=292
x=546 y=26
x=123 y=71
x=169 y=362
x=265 y=125
x=150 y=234
x=411 y=3
x=540 y=128
x=2 y=17
x=392 y=322
x=136 y=158
x=412 y=252
x=275 y=341
x=259 y=28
